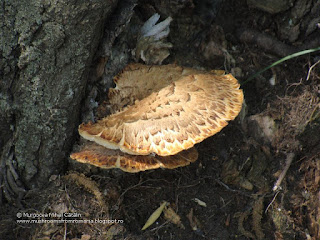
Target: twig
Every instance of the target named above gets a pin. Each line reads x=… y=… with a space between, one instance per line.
x=289 y=159
x=129 y=188
x=65 y=231
x=265 y=41
x=310 y=69
x=232 y=190
x=273 y=199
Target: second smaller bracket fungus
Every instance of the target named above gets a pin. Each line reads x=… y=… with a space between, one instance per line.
x=193 y=107
x=102 y=157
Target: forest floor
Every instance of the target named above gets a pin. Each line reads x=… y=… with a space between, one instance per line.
x=228 y=193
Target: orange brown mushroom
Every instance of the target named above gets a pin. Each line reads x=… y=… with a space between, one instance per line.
x=171 y=109
x=102 y=157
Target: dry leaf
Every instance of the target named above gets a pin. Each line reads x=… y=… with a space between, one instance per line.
x=194 y=222
x=173 y=217
x=154 y=216
x=201 y=203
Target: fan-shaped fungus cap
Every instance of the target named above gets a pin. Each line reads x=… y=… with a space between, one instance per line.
x=193 y=107
x=102 y=157
x=137 y=81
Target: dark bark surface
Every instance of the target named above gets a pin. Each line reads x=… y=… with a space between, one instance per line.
x=45 y=50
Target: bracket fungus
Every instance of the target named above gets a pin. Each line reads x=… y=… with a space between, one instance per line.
x=102 y=157
x=161 y=113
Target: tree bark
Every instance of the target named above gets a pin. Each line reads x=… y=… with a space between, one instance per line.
x=46 y=47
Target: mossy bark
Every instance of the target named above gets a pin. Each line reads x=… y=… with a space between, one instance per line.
x=46 y=47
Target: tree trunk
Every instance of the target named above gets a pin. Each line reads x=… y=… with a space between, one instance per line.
x=46 y=47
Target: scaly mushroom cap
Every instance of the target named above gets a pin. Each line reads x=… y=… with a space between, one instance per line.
x=179 y=115
x=102 y=157
x=137 y=81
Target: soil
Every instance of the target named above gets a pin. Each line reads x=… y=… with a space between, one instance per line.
x=228 y=192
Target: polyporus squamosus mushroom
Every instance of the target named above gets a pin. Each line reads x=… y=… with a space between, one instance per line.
x=173 y=108
x=102 y=157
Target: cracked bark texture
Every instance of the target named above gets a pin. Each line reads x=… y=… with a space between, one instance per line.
x=46 y=47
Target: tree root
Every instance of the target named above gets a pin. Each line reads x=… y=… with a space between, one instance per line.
x=265 y=42
x=271 y=44
x=290 y=157
x=11 y=188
